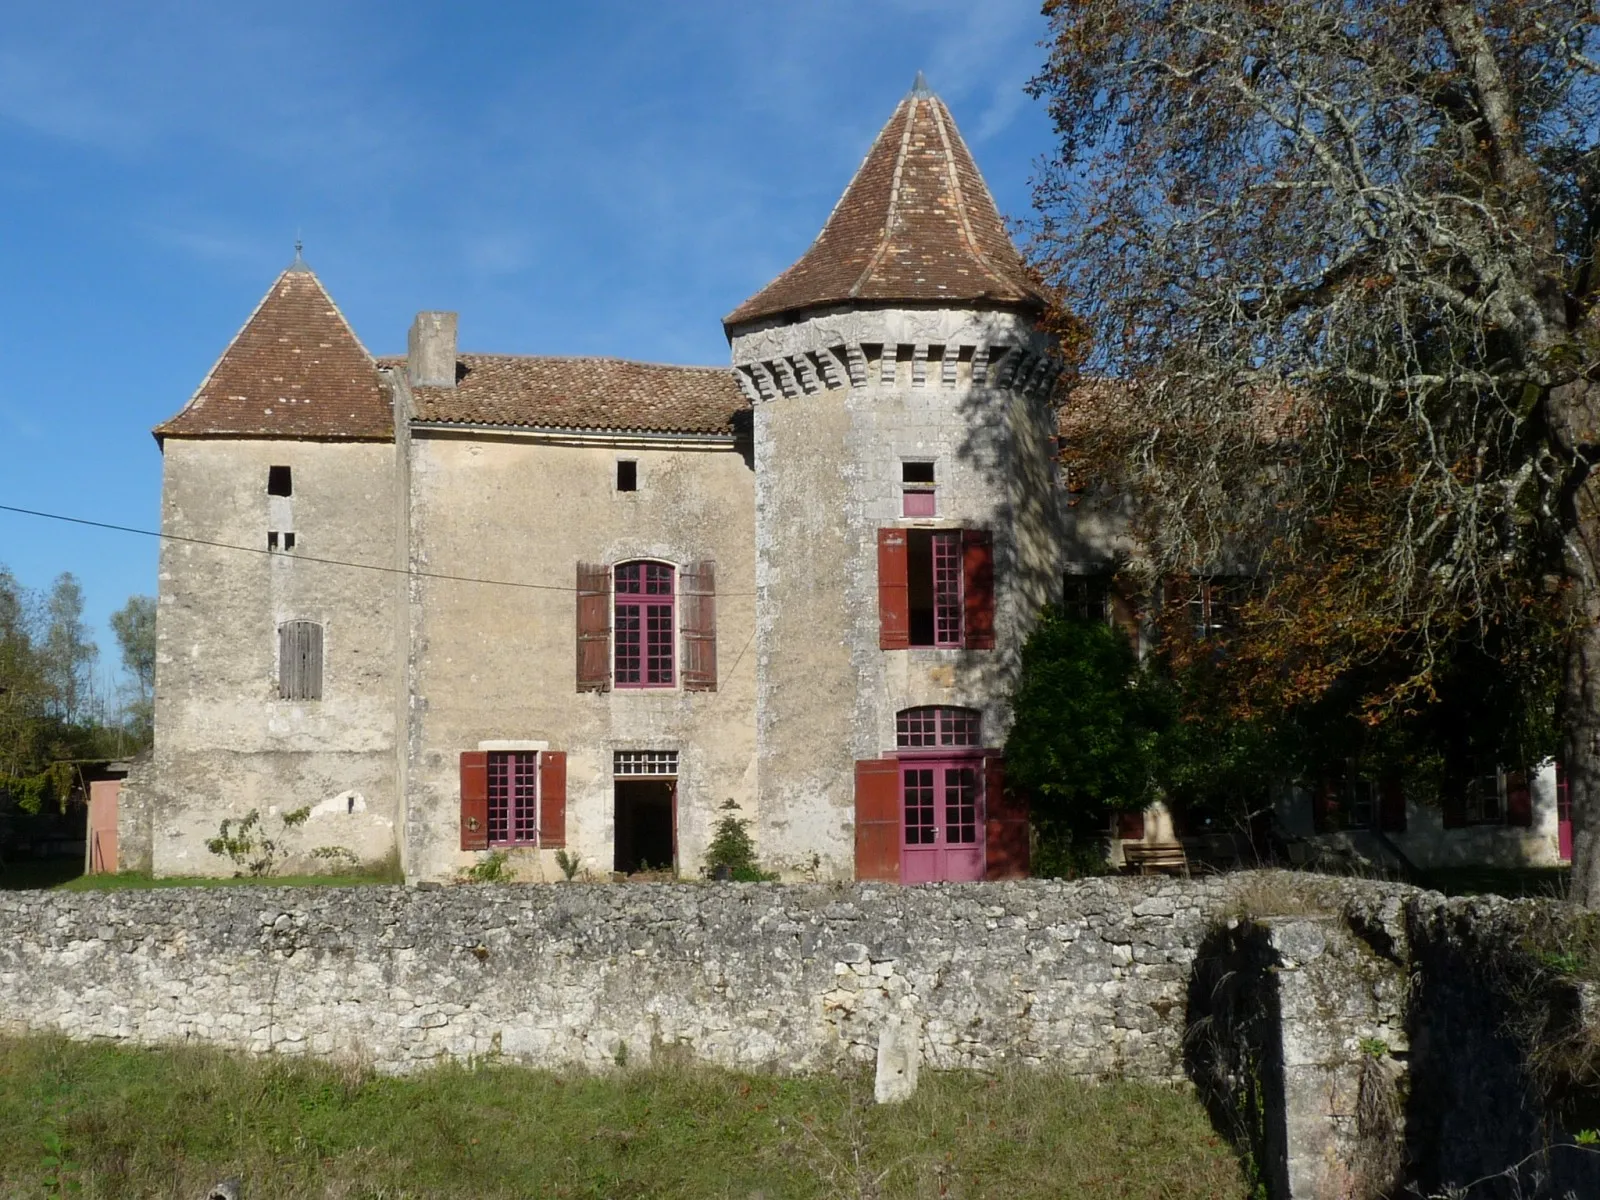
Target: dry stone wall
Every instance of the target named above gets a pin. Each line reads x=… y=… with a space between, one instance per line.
x=1087 y=976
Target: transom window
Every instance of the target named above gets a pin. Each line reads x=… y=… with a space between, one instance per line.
x=513 y=798
x=643 y=629
x=645 y=762
x=935 y=725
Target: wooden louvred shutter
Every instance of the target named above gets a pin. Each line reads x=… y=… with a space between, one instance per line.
x=1519 y=800
x=894 y=591
x=698 y=608
x=1005 y=848
x=300 y=660
x=878 y=819
x=594 y=627
x=552 y=798
x=977 y=594
x=474 y=800
x=1391 y=807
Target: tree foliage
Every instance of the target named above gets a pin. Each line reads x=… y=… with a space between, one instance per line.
x=1335 y=259
x=134 y=625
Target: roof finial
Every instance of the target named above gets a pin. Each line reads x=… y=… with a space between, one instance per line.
x=299 y=263
x=920 y=88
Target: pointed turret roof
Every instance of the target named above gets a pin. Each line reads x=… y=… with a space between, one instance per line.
x=916 y=225
x=296 y=370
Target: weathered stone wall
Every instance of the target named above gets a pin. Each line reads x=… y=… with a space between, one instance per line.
x=225 y=743
x=1089 y=976
x=490 y=664
x=841 y=399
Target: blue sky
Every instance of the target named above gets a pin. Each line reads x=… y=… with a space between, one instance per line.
x=599 y=178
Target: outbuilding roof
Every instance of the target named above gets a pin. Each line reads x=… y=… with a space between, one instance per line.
x=916 y=225
x=296 y=370
x=610 y=394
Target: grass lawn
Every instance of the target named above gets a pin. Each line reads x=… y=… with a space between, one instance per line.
x=67 y=875
x=141 y=1123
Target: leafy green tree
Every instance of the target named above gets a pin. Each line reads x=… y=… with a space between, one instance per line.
x=1086 y=734
x=135 y=627
x=68 y=652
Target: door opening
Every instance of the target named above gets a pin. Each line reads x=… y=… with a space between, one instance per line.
x=942 y=820
x=646 y=823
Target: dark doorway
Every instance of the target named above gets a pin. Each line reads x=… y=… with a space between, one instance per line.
x=645 y=834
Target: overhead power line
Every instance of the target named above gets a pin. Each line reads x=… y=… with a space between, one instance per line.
x=297 y=557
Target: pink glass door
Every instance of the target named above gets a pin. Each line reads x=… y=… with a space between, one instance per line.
x=941 y=820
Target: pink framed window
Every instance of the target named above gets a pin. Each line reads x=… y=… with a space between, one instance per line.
x=937 y=725
x=933 y=593
x=513 y=798
x=916 y=482
x=642 y=632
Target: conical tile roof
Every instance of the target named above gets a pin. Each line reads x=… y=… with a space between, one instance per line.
x=296 y=370
x=916 y=225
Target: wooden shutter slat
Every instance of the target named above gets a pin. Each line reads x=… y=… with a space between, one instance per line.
x=1519 y=800
x=285 y=661
x=474 y=800
x=878 y=819
x=894 y=592
x=313 y=661
x=699 y=618
x=1391 y=807
x=1006 y=842
x=553 y=798
x=977 y=596
x=594 y=627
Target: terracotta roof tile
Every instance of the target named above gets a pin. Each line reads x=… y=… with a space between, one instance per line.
x=296 y=370
x=610 y=394
x=917 y=224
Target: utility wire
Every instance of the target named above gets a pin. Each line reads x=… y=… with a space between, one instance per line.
x=332 y=562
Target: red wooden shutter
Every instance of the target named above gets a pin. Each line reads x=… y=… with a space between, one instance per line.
x=1005 y=847
x=699 y=618
x=1130 y=826
x=594 y=627
x=552 y=798
x=977 y=568
x=894 y=592
x=1519 y=799
x=1322 y=807
x=1391 y=807
x=474 y=800
x=878 y=818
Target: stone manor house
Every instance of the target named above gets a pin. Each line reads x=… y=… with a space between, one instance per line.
x=459 y=602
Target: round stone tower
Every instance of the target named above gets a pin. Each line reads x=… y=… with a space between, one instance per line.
x=907 y=522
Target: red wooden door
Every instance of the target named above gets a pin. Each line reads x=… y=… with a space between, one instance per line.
x=942 y=820
x=103 y=797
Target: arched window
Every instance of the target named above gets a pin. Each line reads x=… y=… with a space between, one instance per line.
x=300 y=660
x=933 y=726
x=642 y=630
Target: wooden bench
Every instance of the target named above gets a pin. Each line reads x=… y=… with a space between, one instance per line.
x=1149 y=857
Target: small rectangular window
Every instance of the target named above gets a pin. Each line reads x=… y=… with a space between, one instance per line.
x=916 y=479
x=627 y=475
x=279 y=482
x=1088 y=597
x=272 y=540
x=288 y=541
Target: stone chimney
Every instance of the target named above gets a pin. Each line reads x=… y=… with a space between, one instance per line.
x=431 y=350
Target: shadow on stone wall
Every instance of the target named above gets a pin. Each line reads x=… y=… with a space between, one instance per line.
x=1232 y=1048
